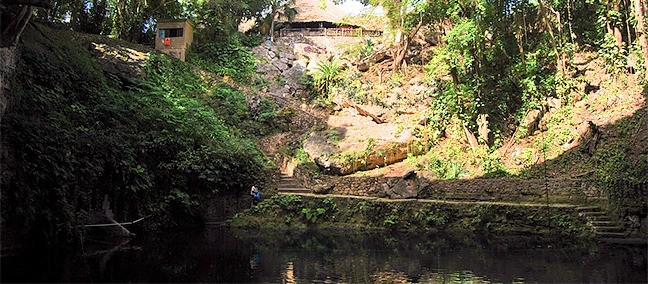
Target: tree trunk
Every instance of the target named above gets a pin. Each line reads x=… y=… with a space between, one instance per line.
x=572 y=36
x=401 y=51
x=641 y=31
x=404 y=46
x=10 y=34
x=545 y=18
x=76 y=8
x=627 y=13
x=618 y=36
x=272 y=21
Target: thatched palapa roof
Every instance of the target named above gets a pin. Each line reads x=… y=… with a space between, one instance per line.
x=311 y=11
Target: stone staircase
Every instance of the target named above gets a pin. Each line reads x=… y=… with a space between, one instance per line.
x=289 y=185
x=601 y=223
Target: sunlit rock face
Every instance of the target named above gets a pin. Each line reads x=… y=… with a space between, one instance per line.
x=125 y=63
x=353 y=143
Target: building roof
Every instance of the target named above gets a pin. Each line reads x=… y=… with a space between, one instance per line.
x=311 y=11
x=177 y=21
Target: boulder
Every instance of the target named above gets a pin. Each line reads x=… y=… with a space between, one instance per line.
x=417 y=89
x=363 y=67
x=287 y=56
x=263 y=53
x=404 y=189
x=588 y=136
x=322 y=188
x=267 y=69
x=554 y=103
x=280 y=65
x=359 y=144
x=531 y=120
x=293 y=76
x=125 y=63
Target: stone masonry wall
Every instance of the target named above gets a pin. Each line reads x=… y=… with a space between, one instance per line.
x=534 y=190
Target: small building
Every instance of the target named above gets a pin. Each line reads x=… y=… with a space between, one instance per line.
x=174 y=37
x=321 y=18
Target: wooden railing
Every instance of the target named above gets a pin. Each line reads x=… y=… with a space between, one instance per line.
x=329 y=32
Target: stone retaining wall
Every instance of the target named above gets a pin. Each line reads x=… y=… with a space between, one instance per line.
x=510 y=189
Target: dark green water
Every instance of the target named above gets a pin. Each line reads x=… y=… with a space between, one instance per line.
x=234 y=256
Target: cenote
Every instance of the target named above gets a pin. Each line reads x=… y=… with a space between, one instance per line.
x=222 y=254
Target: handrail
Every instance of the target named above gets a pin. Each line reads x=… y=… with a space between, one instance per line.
x=359 y=32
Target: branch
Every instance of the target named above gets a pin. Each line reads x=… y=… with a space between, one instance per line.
x=115 y=224
x=48 y=4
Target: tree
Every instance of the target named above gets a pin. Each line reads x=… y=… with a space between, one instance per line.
x=280 y=9
x=640 y=14
x=406 y=17
x=15 y=16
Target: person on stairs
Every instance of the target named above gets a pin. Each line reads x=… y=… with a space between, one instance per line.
x=256 y=195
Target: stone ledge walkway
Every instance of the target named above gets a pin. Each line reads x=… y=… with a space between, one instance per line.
x=380 y=199
x=603 y=228
x=603 y=236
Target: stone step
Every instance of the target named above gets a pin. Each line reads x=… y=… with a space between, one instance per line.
x=608 y=229
x=610 y=235
x=602 y=223
x=593 y=213
x=601 y=218
x=294 y=190
x=589 y=209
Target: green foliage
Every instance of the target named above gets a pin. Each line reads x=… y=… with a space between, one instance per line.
x=567 y=224
x=333 y=134
x=493 y=167
x=283 y=202
x=481 y=217
x=444 y=169
x=326 y=76
x=359 y=50
x=613 y=165
x=615 y=57
x=158 y=143
x=312 y=215
x=391 y=221
x=224 y=56
x=324 y=211
x=304 y=160
x=433 y=218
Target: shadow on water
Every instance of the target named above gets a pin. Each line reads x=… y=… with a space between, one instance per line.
x=217 y=254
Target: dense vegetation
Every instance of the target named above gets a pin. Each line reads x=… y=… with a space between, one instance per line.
x=77 y=134
x=176 y=134
x=493 y=64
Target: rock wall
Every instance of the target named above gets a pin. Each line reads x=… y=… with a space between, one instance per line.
x=283 y=64
x=530 y=190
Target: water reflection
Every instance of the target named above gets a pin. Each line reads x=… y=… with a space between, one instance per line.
x=249 y=256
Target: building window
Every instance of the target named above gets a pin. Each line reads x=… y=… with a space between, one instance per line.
x=171 y=32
